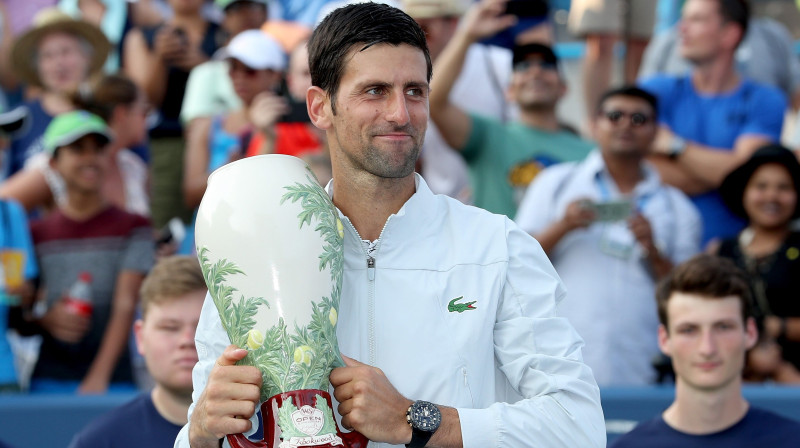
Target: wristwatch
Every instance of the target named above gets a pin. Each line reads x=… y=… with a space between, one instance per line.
x=424 y=419
x=677 y=146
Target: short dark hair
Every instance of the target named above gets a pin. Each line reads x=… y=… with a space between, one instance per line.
x=364 y=24
x=735 y=11
x=708 y=276
x=631 y=91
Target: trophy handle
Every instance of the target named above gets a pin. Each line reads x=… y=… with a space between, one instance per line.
x=353 y=439
x=240 y=441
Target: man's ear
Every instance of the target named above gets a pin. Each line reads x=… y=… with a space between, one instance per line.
x=319 y=109
x=663 y=340
x=137 y=331
x=751 y=333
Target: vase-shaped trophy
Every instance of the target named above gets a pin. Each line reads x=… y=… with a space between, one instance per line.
x=269 y=241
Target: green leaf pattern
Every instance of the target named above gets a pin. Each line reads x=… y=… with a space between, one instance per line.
x=277 y=358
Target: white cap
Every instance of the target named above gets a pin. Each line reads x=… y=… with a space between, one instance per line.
x=257 y=50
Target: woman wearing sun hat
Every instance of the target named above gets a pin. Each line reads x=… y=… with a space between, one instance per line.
x=55 y=56
x=765 y=191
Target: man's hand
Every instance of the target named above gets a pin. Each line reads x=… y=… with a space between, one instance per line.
x=65 y=325
x=265 y=111
x=369 y=404
x=228 y=401
x=577 y=215
x=642 y=231
x=485 y=19
x=168 y=46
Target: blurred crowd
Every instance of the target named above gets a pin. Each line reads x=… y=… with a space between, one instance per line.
x=113 y=114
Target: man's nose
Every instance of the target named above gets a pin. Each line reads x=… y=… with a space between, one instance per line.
x=398 y=109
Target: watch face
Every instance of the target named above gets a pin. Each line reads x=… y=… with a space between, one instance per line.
x=425 y=416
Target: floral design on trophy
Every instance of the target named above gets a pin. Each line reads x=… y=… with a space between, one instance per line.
x=292 y=340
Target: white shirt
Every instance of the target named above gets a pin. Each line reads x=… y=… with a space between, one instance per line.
x=611 y=297
x=394 y=315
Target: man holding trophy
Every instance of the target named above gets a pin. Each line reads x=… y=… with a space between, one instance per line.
x=447 y=312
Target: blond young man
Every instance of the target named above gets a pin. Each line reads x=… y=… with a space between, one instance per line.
x=172 y=297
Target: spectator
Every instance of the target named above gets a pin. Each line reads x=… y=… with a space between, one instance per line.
x=118 y=101
x=17 y=260
x=444 y=170
x=257 y=64
x=159 y=61
x=766 y=55
x=55 y=55
x=370 y=68
x=714 y=118
x=603 y=23
x=87 y=354
x=504 y=157
x=706 y=327
x=611 y=259
x=764 y=191
x=209 y=90
x=172 y=297
x=108 y=15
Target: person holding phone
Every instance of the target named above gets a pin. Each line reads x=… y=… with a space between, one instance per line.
x=503 y=157
x=612 y=229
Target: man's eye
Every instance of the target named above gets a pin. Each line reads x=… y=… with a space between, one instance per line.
x=416 y=91
x=375 y=91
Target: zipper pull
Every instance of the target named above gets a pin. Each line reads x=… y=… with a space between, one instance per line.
x=371 y=268
x=464 y=369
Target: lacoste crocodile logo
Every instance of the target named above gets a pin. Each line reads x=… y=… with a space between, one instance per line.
x=454 y=307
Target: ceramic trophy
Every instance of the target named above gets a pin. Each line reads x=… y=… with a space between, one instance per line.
x=269 y=241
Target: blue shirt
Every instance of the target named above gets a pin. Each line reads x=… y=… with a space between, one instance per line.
x=135 y=424
x=758 y=428
x=14 y=234
x=28 y=143
x=717 y=121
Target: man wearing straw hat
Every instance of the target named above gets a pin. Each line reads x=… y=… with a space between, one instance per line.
x=54 y=57
x=450 y=310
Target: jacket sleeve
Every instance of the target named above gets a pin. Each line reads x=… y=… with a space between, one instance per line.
x=211 y=340
x=540 y=355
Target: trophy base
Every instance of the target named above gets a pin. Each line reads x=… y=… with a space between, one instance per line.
x=300 y=418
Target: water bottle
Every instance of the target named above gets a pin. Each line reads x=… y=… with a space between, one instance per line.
x=79 y=297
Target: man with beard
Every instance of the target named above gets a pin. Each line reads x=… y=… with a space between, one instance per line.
x=172 y=297
x=714 y=118
x=503 y=158
x=612 y=229
x=441 y=302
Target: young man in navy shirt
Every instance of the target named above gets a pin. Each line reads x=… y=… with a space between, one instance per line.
x=706 y=328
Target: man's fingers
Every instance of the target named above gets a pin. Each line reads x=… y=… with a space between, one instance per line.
x=350 y=362
x=231 y=356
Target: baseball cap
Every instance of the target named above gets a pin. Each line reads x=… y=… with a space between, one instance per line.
x=70 y=127
x=14 y=121
x=224 y=4
x=429 y=9
x=521 y=52
x=257 y=50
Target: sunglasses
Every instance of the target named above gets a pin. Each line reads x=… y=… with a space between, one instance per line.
x=637 y=119
x=526 y=64
x=235 y=66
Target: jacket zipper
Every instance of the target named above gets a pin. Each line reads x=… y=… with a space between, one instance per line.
x=370 y=288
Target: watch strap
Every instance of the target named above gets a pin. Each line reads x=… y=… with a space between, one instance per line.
x=419 y=438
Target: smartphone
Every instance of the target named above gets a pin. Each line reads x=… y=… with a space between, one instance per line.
x=529 y=14
x=611 y=211
x=181 y=35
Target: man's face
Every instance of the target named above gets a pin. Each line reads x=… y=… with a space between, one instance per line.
x=82 y=164
x=248 y=82
x=381 y=111
x=298 y=78
x=243 y=16
x=702 y=31
x=166 y=340
x=707 y=341
x=625 y=126
x=438 y=31
x=535 y=84
x=62 y=62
